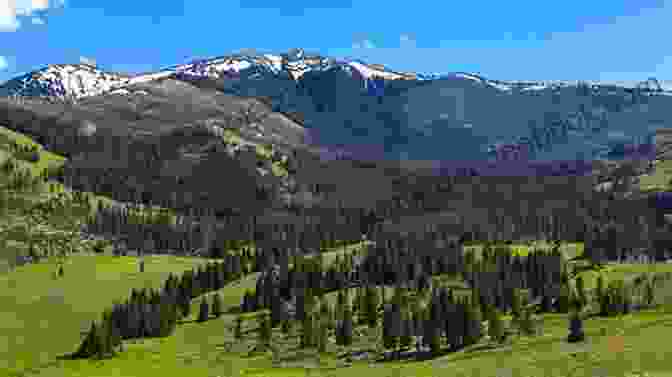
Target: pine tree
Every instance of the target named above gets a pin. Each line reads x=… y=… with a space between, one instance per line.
x=388 y=338
x=580 y=291
x=576 y=333
x=526 y=322
x=648 y=292
x=473 y=323
x=326 y=312
x=286 y=327
x=564 y=298
x=347 y=327
x=184 y=303
x=307 y=331
x=602 y=297
x=264 y=330
x=323 y=335
x=496 y=326
x=371 y=307
x=90 y=346
x=515 y=304
x=216 y=305
x=203 y=311
x=406 y=338
x=433 y=339
x=340 y=304
x=238 y=330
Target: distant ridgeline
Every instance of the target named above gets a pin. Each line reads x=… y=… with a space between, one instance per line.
x=556 y=128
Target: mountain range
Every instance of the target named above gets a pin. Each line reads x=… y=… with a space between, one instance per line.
x=300 y=129
x=376 y=112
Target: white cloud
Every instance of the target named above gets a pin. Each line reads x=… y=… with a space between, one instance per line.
x=8 y=21
x=10 y=9
x=3 y=63
x=27 y=7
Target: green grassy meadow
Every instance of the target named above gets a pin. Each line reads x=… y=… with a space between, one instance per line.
x=48 y=314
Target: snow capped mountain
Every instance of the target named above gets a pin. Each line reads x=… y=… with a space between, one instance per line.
x=81 y=80
x=64 y=81
x=423 y=116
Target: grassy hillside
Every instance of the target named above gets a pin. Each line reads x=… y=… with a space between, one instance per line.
x=42 y=317
x=209 y=349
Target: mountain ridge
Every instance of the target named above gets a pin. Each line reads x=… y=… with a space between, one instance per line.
x=402 y=115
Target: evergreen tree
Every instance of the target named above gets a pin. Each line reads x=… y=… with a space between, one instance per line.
x=326 y=312
x=340 y=304
x=602 y=296
x=264 y=330
x=576 y=333
x=323 y=335
x=216 y=305
x=389 y=339
x=238 y=330
x=406 y=338
x=496 y=326
x=648 y=292
x=276 y=310
x=527 y=322
x=307 y=331
x=347 y=327
x=286 y=327
x=372 y=302
x=581 y=291
x=432 y=337
x=473 y=320
x=184 y=303
x=203 y=311
x=515 y=304
x=166 y=316
x=564 y=298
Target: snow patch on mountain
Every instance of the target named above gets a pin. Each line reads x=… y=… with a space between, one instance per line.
x=64 y=81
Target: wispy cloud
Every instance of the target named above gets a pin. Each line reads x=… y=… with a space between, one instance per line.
x=10 y=10
x=3 y=63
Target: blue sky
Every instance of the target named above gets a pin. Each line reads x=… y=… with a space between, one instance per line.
x=615 y=40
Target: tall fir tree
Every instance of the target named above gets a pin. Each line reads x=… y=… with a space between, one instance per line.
x=602 y=296
x=203 y=312
x=581 y=291
x=238 y=329
x=307 y=331
x=264 y=330
x=216 y=305
x=495 y=326
x=576 y=333
x=347 y=326
x=323 y=335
